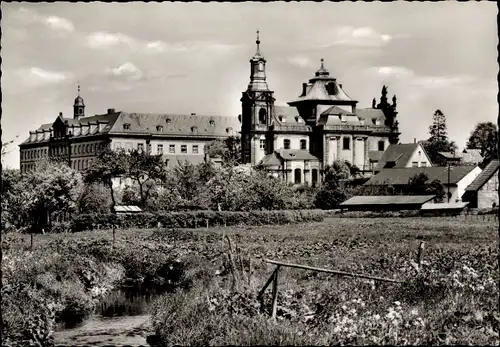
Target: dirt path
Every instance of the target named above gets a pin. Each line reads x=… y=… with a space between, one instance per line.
x=98 y=331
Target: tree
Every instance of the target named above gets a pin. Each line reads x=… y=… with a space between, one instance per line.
x=228 y=149
x=438 y=140
x=419 y=185
x=485 y=138
x=107 y=166
x=147 y=171
x=339 y=170
x=94 y=199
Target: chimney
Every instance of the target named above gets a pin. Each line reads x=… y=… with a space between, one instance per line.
x=111 y=110
x=414 y=140
x=193 y=113
x=304 y=89
x=60 y=114
x=340 y=85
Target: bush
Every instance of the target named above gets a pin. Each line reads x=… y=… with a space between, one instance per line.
x=193 y=219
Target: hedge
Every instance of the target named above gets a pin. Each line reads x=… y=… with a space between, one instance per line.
x=193 y=219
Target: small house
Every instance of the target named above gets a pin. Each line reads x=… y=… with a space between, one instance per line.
x=482 y=193
x=403 y=155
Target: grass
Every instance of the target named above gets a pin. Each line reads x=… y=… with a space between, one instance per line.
x=452 y=300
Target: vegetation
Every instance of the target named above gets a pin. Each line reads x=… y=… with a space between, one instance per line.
x=452 y=299
x=438 y=140
x=485 y=138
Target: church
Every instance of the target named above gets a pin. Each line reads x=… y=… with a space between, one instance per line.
x=294 y=143
x=321 y=125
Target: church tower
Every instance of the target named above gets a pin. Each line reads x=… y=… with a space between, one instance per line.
x=78 y=106
x=257 y=105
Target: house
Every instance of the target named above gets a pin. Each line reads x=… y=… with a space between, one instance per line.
x=454 y=178
x=403 y=155
x=467 y=157
x=482 y=193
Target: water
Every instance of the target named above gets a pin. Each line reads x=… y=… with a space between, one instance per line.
x=121 y=319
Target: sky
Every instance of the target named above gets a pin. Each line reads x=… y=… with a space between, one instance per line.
x=194 y=57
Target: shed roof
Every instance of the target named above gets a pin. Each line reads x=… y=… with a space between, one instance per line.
x=444 y=206
x=484 y=176
x=387 y=200
x=400 y=176
x=127 y=209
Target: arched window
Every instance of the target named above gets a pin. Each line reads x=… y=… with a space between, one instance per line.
x=212 y=122
x=159 y=128
x=303 y=144
x=262 y=116
x=298 y=174
x=168 y=120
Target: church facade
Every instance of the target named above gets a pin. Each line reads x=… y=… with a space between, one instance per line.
x=321 y=125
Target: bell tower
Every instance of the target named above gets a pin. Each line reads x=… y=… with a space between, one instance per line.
x=78 y=106
x=257 y=104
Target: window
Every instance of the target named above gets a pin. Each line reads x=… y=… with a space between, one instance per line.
x=262 y=144
x=171 y=149
x=280 y=118
x=423 y=164
x=414 y=164
x=195 y=149
x=303 y=144
x=346 y=143
x=286 y=143
x=128 y=146
x=212 y=122
x=126 y=126
x=314 y=177
x=159 y=128
x=140 y=147
x=118 y=145
x=381 y=145
x=184 y=148
x=168 y=120
x=160 y=149
x=262 y=116
x=194 y=129
x=149 y=148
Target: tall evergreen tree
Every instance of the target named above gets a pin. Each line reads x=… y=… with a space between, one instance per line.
x=438 y=140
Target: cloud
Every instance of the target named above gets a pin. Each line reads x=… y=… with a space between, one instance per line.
x=301 y=61
x=127 y=71
x=394 y=71
x=27 y=16
x=352 y=36
x=107 y=40
x=20 y=80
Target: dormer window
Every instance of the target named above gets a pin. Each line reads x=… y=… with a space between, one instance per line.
x=280 y=118
x=168 y=120
x=343 y=118
x=212 y=122
x=229 y=130
x=376 y=121
x=126 y=126
x=159 y=128
x=194 y=129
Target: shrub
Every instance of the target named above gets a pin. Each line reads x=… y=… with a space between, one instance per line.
x=194 y=219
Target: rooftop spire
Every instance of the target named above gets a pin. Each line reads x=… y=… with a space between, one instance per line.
x=78 y=88
x=258 y=43
x=322 y=71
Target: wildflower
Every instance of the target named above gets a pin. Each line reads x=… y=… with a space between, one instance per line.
x=376 y=317
x=414 y=312
x=397 y=303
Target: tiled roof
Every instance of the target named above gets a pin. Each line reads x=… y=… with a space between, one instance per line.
x=375 y=155
x=176 y=124
x=271 y=160
x=398 y=153
x=400 y=176
x=289 y=118
x=490 y=170
x=368 y=114
x=387 y=200
x=449 y=155
x=296 y=154
x=335 y=110
x=472 y=156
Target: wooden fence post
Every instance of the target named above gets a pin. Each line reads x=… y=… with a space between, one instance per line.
x=114 y=235
x=420 y=254
x=275 y=293
x=207 y=222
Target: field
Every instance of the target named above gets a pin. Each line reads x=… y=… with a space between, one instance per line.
x=453 y=299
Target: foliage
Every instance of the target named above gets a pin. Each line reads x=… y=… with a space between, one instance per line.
x=94 y=199
x=338 y=171
x=228 y=149
x=147 y=171
x=438 y=140
x=107 y=166
x=419 y=185
x=330 y=196
x=485 y=138
x=193 y=219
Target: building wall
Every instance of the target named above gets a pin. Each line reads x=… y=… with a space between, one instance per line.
x=419 y=157
x=133 y=143
x=488 y=194
x=374 y=140
x=465 y=182
x=294 y=141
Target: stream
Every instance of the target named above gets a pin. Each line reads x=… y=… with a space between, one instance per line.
x=121 y=319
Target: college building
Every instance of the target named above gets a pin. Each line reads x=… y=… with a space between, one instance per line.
x=295 y=143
